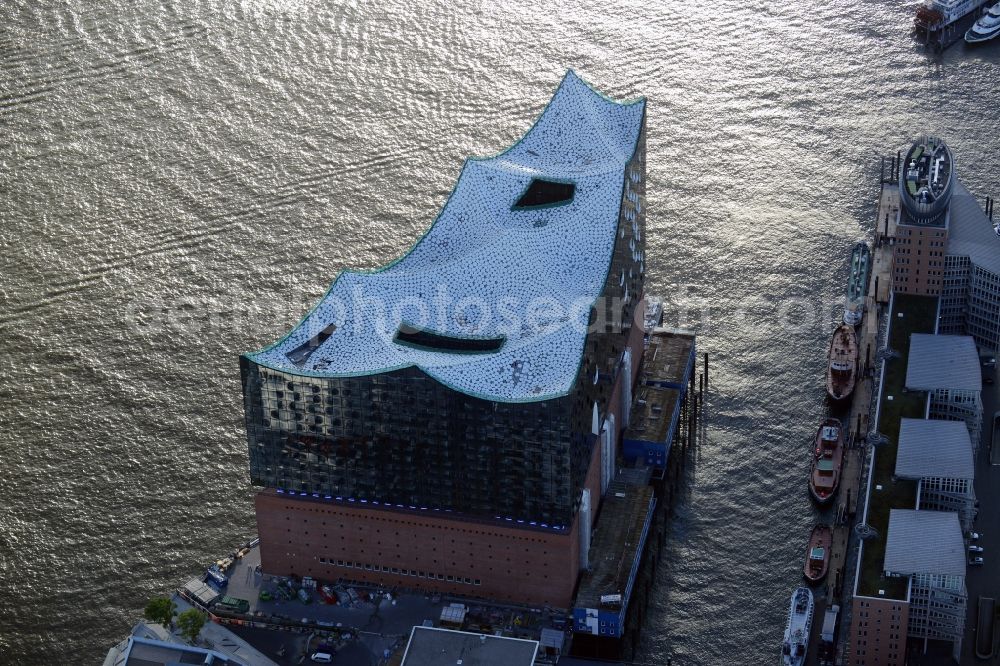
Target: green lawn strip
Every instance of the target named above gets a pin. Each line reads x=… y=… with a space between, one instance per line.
x=919 y=313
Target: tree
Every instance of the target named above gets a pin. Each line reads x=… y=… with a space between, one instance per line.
x=190 y=623
x=160 y=610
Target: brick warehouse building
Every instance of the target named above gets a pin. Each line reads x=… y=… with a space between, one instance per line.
x=403 y=443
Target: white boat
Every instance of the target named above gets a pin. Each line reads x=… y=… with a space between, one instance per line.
x=986 y=28
x=800 y=615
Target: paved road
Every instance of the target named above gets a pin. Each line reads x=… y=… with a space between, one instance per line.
x=984 y=580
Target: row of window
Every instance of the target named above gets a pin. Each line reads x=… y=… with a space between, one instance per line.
x=506 y=536
x=448 y=578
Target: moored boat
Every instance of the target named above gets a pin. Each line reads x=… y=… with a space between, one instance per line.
x=800 y=614
x=842 y=362
x=828 y=458
x=857 y=285
x=986 y=28
x=818 y=553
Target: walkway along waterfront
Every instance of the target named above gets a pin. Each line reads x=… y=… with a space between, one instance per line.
x=843 y=553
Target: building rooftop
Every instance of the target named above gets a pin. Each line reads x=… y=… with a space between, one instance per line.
x=138 y=651
x=924 y=542
x=926 y=179
x=534 y=225
x=668 y=358
x=943 y=362
x=653 y=414
x=971 y=232
x=201 y=591
x=934 y=448
x=430 y=646
x=617 y=543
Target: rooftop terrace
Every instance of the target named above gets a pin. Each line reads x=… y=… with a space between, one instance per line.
x=926 y=179
x=910 y=314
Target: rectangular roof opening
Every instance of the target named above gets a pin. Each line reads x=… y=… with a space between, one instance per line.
x=543 y=193
x=301 y=354
x=424 y=339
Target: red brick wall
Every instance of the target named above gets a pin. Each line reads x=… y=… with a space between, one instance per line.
x=303 y=536
x=918 y=259
x=878 y=632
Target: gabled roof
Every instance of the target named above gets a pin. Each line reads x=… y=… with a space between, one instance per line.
x=934 y=448
x=495 y=244
x=924 y=542
x=943 y=362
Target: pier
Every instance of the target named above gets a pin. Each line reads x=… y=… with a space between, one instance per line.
x=836 y=589
x=940 y=39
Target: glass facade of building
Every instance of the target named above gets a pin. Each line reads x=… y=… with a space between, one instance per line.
x=403 y=438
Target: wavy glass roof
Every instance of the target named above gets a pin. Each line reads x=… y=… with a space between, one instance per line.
x=517 y=255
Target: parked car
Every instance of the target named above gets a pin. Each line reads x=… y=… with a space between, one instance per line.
x=975 y=549
x=988 y=361
x=974 y=536
x=322 y=657
x=976 y=561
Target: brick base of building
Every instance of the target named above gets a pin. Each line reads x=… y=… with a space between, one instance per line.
x=445 y=555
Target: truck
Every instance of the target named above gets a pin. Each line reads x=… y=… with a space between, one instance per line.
x=233 y=604
x=828 y=635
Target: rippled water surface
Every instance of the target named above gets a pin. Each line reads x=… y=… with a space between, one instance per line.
x=179 y=181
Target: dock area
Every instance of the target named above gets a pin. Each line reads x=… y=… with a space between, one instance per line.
x=939 y=40
x=843 y=551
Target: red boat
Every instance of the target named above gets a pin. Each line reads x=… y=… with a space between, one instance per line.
x=842 y=363
x=818 y=554
x=828 y=457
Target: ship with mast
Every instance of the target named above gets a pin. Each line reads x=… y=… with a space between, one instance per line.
x=857 y=284
x=818 y=554
x=842 y=364
x=828 y=458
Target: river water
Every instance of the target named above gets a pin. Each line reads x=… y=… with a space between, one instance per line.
x=180 y=181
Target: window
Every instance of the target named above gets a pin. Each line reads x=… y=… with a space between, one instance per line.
x=542 y=193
